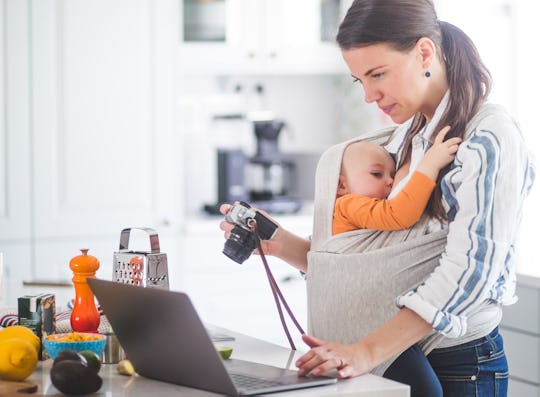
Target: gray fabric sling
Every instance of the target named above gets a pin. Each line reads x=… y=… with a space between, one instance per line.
x=353 y=278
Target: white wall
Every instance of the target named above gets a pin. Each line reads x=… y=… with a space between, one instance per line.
x=506 y=33
x=323 y=110
x=319 y=111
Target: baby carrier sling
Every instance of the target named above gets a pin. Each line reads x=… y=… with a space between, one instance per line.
x=354 y=278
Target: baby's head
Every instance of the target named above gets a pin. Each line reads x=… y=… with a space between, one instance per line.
x=367 y=169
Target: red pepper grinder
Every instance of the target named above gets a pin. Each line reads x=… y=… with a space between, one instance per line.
x=85 y=316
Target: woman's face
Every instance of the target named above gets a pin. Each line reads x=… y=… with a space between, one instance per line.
x=393 y=79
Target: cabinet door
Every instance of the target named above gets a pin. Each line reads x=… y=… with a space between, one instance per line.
x=105 y=149
x=260 y=37
x=298 y=36
x=14 y=123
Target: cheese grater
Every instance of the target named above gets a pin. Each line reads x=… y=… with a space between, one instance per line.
x=145 y=269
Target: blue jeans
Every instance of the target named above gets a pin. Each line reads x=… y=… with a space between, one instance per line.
x=474 y=369
x=413 y=368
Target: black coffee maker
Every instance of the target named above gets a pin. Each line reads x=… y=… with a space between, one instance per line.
x=268 y=173
x=265 y=179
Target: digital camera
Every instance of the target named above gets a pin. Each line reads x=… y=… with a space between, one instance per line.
x=250 y=225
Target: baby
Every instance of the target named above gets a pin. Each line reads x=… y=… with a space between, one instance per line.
x=367 y=177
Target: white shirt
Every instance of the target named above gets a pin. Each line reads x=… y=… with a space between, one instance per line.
x=483 y=196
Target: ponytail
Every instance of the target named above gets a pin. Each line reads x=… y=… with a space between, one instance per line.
x=469 y=83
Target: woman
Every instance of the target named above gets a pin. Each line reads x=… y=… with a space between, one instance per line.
x=426 y=74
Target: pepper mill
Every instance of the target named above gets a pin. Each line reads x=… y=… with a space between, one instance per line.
x=85 y=316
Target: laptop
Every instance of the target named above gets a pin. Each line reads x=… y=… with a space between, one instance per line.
x=166 y=340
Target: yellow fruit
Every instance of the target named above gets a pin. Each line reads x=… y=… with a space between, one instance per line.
x=20 y=331
x=225 y=352
x=125 y=367
x=18 y=359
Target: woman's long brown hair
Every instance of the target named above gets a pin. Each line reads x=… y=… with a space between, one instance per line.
x=400 y=24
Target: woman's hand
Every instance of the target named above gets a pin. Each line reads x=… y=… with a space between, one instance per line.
x=349 y=360
x=284 y=245
x=270 y=247
x=396 y=335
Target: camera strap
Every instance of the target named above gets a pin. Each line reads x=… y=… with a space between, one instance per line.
x=278 y=298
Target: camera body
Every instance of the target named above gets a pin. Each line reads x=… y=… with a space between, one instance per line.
x=243 y=238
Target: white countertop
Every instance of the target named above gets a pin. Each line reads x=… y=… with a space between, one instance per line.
x=245 y=348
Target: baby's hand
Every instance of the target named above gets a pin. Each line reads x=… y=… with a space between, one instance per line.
x=440 y=154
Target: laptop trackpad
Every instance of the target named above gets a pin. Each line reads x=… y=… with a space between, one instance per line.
x=255 y=369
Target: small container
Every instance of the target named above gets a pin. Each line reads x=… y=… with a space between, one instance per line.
x=142 y=268
x=38 y=313
x=113 y=352
x=54 y=344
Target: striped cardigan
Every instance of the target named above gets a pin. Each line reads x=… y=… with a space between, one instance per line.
x=483 y=195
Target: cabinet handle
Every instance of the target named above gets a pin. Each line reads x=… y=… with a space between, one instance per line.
x=46 y=283
x=251 y=55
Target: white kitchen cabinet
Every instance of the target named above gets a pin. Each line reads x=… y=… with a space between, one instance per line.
x=103 y=116
x=242 y=37
x=88 y=116
x=520 y=328
x=15 y=165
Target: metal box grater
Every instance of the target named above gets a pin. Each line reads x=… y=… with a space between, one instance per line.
x=145 y=269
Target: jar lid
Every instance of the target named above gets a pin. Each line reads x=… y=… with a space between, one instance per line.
x=84 y=263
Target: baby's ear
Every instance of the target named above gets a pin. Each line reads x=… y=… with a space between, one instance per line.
x=342 y=186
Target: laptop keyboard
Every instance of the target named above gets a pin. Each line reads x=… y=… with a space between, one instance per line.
x=247 y=382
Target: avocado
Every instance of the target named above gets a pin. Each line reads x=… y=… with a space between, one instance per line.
x=92 y=359
x=69 y=355
x=75 y=378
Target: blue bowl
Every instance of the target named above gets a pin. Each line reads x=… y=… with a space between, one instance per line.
x=54 y=344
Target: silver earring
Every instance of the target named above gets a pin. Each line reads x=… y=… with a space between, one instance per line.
x=428 y=73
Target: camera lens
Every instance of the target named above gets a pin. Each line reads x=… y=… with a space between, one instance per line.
x=240 y=244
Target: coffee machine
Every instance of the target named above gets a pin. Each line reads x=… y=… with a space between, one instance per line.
x=264 y=179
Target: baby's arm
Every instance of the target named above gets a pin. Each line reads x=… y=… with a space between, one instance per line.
x=353 y=211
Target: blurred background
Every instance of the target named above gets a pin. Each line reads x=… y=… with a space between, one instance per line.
x=141 y=113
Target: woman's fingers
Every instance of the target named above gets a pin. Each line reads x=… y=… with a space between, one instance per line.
x=226 y=227
x=315 y=362
x=224 y=208
x=324 y=357
x=311 y=341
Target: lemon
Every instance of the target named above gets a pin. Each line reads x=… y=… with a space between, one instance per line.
x=20 y=331
x=225 y=352
x=18 y=359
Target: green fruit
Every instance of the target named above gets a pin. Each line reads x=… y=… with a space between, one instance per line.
x=74 y=378
x=92 y=359
x=225 y=352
